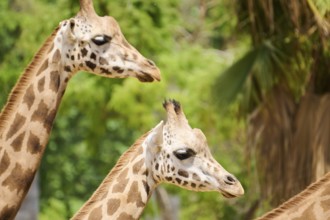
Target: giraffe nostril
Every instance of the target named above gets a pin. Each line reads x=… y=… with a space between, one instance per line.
x=230 y=180
x=151 y=63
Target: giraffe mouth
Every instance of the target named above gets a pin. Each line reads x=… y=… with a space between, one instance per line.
x=228 y=195
x=148 y=72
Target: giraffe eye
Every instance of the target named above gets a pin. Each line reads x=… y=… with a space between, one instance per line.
x=184 y=153
x=101 y=39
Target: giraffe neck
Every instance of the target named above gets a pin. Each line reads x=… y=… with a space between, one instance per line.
x=26 y=122
x=312 y=203
x=125 y=191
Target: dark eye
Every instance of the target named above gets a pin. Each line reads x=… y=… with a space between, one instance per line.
x=184 y=153
x=101 y=39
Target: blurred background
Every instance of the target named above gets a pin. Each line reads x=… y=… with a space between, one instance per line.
x=254 y=75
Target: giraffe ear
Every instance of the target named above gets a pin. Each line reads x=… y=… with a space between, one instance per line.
x=155 y=138
x=72 y=25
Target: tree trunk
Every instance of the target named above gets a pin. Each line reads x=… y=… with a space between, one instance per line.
x=292 y=143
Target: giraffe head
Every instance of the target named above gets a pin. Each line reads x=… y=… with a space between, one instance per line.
x=96 y=44
x=180 y=155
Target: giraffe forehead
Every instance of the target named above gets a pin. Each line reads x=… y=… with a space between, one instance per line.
x=85 y=30
x=182 y=139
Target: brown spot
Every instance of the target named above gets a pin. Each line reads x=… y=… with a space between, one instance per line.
x=178 y=180
x=168 y=168
x=16 y=125
x=49 y=120
x=93 y=56
x=17 y=142
x=19 y=180
x=56 y=56
x=84 y=52
x=146 y=187
x=196 y=177
x=96 y=213
x=123 y=174
x=41 y=84
x=183 y=173
x=29 y=97
x=5 y=161
x=44 y=116
x=120 y=186
x=113 y=205
x=118 y=69
x=146 y=172
x=90 y=65
x=54 y=82
x=103 y=61
x=43 y=67
x=134 y=196
x=105 y=71
x=33 y=144
x=125 y=216
x=41 y=113
x=193 y=185
x=168 y=178
x=67 y=68
x=8 y=212
x=137 y=166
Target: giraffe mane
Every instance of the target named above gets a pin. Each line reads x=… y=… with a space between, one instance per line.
x=296 y=199
x=18 y=89
x=123 y=160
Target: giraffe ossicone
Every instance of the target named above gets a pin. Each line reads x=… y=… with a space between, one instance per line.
x=172 y=152
x=86 y=42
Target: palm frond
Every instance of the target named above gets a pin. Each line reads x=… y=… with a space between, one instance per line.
x=258 y=65
x=230 y=83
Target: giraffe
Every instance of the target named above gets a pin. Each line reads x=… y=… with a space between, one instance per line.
x=86 y=42
x=171 y=152
x=313 y=203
